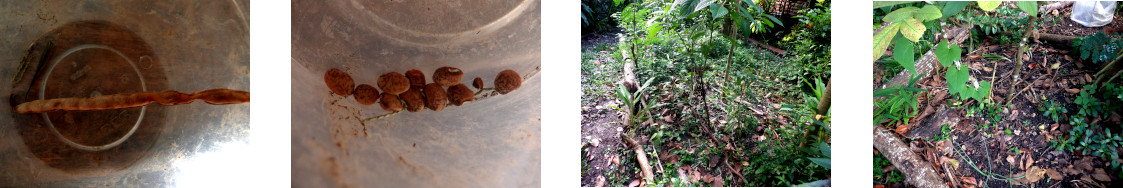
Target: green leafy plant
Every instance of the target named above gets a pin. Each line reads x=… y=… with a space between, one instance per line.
x=958 y=76
x=632 y=101
x=908 y=21
x=900 y=103
x=1098 y=47
x=1053 y=111
x=824 y=153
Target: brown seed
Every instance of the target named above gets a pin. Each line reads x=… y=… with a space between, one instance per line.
x=390 y=102
x=339 y=82
x=459 y=94
x=414 y=100
x=393 y=83
x=478 y=83
x=366 y=94
x=416 y=78
x=434 y=97
x=447 y=76
x=507 y=81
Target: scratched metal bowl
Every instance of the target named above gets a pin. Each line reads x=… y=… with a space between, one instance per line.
x=493 y=142
x=183 y=45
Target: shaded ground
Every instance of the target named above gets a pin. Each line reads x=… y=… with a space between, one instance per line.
x=691 y=153
x=1013 y=140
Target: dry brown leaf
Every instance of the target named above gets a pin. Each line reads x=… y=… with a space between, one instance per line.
x=600 y=182
x=1034 y=174
x=634 y=183
x=1029 y=159
x=903 y=129
x=1019 y=181
x=1054 y=174
x=1073 y=90
x=1010 y=159
x=1101 y=175
x=969 y=182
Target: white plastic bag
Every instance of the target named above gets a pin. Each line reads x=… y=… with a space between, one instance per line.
x=1093 y=13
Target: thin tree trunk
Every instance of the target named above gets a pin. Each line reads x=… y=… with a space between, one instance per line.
x=1104 y=75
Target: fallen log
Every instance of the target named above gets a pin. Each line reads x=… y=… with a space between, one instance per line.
x=641 y=157
x=917 y=172
x=1053 y=6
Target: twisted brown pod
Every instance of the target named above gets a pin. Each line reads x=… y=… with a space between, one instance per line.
x=118 y=101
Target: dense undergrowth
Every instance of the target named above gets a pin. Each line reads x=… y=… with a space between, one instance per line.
x=704 y=90
x=1087 y=114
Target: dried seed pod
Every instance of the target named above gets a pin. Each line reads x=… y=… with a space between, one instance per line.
x=390 y=102
x=393 y=83
x=339 y=82
x=447 y=76
x=459 y=94
x=478 y=83
x=414 y=100
x=416 y=78
x=366 y=94
x=434 y=97
x=507 y=81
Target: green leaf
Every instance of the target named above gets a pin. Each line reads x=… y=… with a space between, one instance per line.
x=825 y=162
x=882 y=39
x=989 y=6
x=653 y=30
x=879 y=4
x=774 y=20
x=929 y=12
x=900 y=14
x=703 y=4
x=954 y=7
x=1030 y=7
x=617 y=2
x=947 y=55
x=903 y=53
x=912 y=29
x=825 y=149
x=718 y=11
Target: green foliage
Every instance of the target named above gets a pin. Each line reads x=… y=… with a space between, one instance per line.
x=945 y=133
x=824 y=151
x=989 y=5
x=1053 y=111
x=1092 y=139
x=632 y=101
x=908 y=22
x=1098 y=47
x=596 y=15
x=893 y=176
x=809 y=44
x=900 y=103
x=958 y=76
x=1029 y=7
x=1006 y=26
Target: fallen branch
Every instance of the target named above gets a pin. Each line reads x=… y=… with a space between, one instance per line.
x=641 y=157
x=1104 y=75
x=917 y=172
x=1053 y=6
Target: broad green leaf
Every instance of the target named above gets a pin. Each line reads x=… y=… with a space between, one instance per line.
x=954 y=7
x=702 y=4
x=879 y=4
x=984 y=90
x=825 y=149
x=900 y=14
x=617 y=2
x=912 y=29
x=774 y=20
x=957 y=79
x=718 y=11
x=929 y=12
x=947 y=54
x=653 y=30
x=989 y=6
x=882 y=38
x=1030 y=7
x=903 y=53
x=825 y=162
